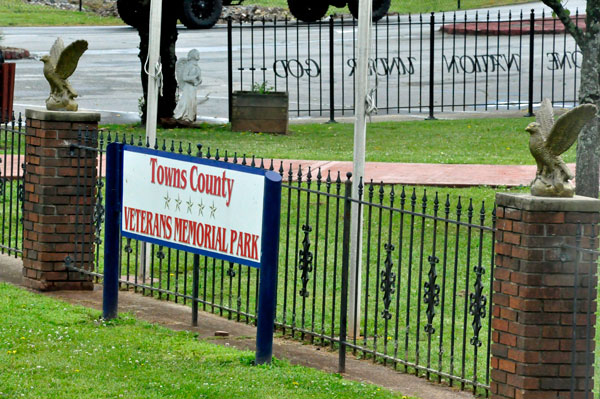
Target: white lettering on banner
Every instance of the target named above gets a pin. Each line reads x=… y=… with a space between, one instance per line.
x=178 y=202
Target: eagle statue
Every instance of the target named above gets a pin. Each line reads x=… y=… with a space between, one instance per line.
x=548 y=140
x=59 y=65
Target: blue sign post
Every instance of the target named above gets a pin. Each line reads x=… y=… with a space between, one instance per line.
x=140 y=184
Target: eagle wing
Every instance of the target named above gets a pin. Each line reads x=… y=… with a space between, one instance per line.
x=69 y=58
x=545 y=117
x=57 y=48
x=567 y=128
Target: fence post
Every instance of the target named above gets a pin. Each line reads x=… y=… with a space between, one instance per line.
x=267 y=292
x=345 y=266
x=55 y=205
x=431 y=64
x=229 y=67
x=331 y=74
x=114 y=173
x=195 y=282
x=540 y=303
x=531 y=63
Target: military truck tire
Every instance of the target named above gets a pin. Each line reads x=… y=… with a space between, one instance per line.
x=308 y=10
x=380 y=8
x=130 y=14
x=200 y=14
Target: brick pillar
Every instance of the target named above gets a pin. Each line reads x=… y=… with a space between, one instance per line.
x=57 y=211
x=533 y=301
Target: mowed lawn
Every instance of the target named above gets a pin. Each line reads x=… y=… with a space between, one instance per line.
x=500 y=141
x=22 y=13
x=50 y=349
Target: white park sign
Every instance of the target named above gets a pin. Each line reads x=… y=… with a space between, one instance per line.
x=197 y=205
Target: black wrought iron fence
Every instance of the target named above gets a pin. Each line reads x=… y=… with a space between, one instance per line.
x=471 y=61
x=421 y=304
x=12 y=171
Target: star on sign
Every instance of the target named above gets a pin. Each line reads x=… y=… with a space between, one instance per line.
x=200 y=209
x=190 y=205
x=213 y=209
x=178 y=203
x=167 y=200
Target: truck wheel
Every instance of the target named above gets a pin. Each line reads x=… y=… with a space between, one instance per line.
x=380 y=8
x=308 y=10
x=201 y=14
x=129 y=13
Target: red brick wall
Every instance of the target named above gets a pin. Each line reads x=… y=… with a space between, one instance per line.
x=59 y=201
x=534 y=295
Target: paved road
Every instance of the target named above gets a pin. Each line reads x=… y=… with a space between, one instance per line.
x=108 y=78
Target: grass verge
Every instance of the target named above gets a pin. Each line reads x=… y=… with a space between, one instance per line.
x=19 y=13
x=50 y=349
x=410 y=6
x=500 y=141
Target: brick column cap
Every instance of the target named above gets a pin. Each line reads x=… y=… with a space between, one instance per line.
x=528 y=202
x=62 y=116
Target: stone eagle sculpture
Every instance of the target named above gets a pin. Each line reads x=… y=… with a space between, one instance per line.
x=59 y=65
x=548 y=140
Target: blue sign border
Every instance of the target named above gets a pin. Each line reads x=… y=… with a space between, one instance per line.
x=267 y=295
x=198 y=161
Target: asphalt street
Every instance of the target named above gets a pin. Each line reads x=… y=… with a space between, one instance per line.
x=108 y=76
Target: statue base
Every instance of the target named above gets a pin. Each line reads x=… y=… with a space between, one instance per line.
x=540 y=187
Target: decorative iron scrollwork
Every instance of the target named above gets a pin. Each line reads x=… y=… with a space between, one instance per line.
x=99 y=213
x=160 y=254
x=477 y=305
x=432 y=294
x=231 y=270
x=388 y=281
x=127 y=248
x=306 y=258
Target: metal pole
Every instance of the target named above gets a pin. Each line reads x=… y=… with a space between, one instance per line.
x=331 y=74
x=80 y=5
x=114 y=171
x=360 y=134
x=195 y=282
x=267 y=293
x=531 y=66
x=345 y=261
x=154 y=71
x=230 y=68
x=431 y=64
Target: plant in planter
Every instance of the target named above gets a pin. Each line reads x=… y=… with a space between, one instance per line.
x=260 y=110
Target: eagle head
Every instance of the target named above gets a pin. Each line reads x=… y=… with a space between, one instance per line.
x=533 y=128
x=45 y=58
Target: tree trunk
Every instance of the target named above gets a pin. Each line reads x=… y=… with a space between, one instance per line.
x=168 y=38
x=588 y=144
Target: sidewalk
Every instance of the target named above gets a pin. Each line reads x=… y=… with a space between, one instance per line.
x=442 y=175
x=242 y=336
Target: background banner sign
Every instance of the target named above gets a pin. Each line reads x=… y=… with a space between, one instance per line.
x=197 y=205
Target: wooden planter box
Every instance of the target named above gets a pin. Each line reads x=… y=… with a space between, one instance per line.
x=255 y=112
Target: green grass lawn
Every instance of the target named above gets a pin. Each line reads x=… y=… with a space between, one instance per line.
x=410 y=6
x=50 y=349
x=20 y=13
x=500 y=141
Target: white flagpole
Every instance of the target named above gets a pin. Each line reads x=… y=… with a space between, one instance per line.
x=360 y=132
x=154 y=70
